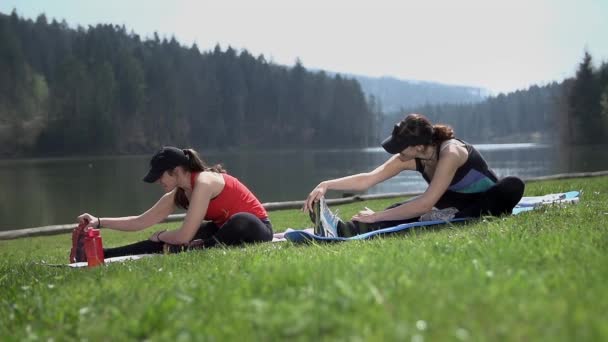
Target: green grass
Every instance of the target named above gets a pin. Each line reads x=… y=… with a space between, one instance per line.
x=537 y=276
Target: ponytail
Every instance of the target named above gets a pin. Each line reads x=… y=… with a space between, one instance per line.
x=196 y=163
x=442 y=133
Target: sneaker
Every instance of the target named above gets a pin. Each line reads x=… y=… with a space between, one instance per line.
x=329 y=221
x=439 y=214
x=77 y=253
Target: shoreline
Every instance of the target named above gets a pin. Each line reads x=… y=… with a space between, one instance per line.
x=271 y=206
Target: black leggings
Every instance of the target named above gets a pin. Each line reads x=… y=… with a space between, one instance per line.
x=240 y=228
x=499 y=200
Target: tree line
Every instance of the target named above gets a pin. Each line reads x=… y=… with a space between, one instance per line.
x=103 y=90
x=574 y=111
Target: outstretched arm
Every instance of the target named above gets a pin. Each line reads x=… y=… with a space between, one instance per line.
x=361 y=181
x=152 y=216
x=451 y=159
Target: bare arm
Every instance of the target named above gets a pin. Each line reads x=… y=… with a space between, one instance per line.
x=361 y=181
x=159 y=211
x=451 y=159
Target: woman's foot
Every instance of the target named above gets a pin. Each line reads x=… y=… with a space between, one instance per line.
x=328 y=220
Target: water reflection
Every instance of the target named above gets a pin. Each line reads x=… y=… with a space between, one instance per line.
x=54 y=191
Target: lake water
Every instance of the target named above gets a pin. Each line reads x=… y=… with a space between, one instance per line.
x=39 y=192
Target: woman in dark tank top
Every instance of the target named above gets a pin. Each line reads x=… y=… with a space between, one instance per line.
x=461 y=184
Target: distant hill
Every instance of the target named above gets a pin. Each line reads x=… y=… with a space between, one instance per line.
x=395 y=94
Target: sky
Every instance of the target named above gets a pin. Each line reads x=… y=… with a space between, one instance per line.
x=498 y=45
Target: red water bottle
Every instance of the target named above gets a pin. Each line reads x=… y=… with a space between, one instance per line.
x=93 y=248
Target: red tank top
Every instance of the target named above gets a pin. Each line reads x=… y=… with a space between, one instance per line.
x=234 y=198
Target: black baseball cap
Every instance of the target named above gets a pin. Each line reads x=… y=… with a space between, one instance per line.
x=396 y=142
x=167 y=158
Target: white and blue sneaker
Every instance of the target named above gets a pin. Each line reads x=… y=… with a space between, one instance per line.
x=328 y=220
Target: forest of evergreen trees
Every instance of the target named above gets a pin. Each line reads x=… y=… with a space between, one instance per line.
x=574 y=111
x=66 y=91
x=101 y=90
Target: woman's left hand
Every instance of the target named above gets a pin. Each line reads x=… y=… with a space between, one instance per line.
x=365 y=216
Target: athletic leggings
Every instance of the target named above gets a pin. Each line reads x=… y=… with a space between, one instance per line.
x=240 y=228
x=499 y=200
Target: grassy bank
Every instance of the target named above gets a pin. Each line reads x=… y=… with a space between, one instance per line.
x=537 y=276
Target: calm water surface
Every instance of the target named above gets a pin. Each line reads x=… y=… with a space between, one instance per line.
x=40 y=192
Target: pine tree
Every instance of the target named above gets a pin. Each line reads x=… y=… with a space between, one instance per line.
x=603 y=85
x=584 y=100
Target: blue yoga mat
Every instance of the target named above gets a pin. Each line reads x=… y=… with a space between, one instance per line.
x=526 y=204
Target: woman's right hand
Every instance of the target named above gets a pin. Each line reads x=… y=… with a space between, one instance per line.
x=314 y=196
x=88 y=219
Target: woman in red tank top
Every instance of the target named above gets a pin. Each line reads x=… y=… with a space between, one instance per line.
x=220 y=209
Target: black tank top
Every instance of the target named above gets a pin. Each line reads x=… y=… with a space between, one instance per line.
x=474 y=176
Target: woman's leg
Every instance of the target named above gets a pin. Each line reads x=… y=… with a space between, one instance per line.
x=498 y=200
x=206 y=230
x=352 y=228
x=239 y=229
x=142 y=247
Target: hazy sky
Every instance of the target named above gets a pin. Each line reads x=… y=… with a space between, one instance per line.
x=501 y=45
